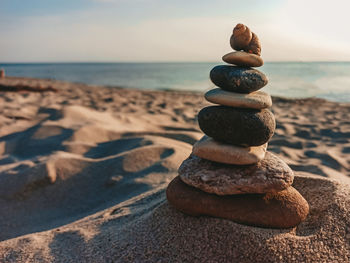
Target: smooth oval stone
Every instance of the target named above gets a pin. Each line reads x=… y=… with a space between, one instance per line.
x=283 y=209
x=255 y=100
x=244 y=59
x=209 y=149
x=269 y=175
x=237 y=126
x=238 y=79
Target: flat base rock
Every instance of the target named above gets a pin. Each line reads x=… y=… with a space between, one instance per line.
x=269 y=175
x=237 y=126
x=238 y=79
x=148 y=229
x=283 y=209
x=245 y=59
x=255 y=100
x=209 y=149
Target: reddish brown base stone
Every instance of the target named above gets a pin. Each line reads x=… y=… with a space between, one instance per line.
x=284 y=209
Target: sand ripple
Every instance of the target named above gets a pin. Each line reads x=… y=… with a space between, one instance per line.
x=88 y=165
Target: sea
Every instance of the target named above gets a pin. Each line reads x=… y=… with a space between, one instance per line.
x=328 y=80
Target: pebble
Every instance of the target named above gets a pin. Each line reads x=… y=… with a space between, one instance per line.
x=284 y=209
x=209 y=149
x=269 y=175
x=238 y=79
x=255 y=100
x=237 y=126
x=244 y=59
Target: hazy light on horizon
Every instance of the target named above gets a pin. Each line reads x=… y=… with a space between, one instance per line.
x=160 y=30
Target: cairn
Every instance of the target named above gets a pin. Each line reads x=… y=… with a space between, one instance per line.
x=230 y=174
x=2 y=73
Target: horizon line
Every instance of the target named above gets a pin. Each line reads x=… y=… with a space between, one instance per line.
x=164 y=62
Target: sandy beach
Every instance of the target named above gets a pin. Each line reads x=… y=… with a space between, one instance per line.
x=83 y=172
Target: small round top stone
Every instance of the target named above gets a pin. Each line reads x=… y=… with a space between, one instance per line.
x=243 y=39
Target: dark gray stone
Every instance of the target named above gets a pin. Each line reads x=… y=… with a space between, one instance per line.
x=238 y=79
x=237 y=126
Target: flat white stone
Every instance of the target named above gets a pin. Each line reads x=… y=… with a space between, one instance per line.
x=209 y=149
x=245 y=59
x=255 y=100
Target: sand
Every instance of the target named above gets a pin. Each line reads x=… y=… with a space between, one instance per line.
x=83 y=172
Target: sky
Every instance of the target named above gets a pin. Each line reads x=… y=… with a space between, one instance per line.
x=170 y=30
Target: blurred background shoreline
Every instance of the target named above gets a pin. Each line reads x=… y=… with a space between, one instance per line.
x=327 y=80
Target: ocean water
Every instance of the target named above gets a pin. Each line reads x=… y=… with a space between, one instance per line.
x=329 y=80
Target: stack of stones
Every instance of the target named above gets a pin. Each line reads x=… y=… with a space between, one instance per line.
x=2 y=73
x=230 y=174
